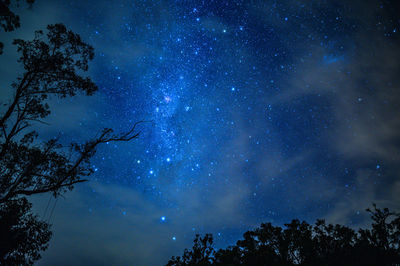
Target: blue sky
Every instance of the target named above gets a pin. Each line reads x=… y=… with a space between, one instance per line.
x=260 y=111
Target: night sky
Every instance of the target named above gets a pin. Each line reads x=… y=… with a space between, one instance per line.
x=260 y=111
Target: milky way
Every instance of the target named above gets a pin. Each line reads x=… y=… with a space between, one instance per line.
x=256 y=111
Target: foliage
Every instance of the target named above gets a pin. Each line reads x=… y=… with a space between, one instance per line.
x=53 y=66
x=23 y=235
x=201 y=253
x=300 y=243
x=9 y=21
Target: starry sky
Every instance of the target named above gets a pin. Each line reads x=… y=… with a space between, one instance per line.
x=259 y=111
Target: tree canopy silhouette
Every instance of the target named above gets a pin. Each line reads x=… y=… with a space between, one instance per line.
x=300 y=243
x=53 y=66
x=9 y=21
x=23 y=235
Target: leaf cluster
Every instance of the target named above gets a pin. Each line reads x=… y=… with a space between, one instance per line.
x=23 y=235
x=9 y=21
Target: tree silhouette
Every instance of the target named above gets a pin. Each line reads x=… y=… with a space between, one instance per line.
x=53 y=64
x=9 y=21
x=201 y=253
x=23 y=236
x=300 y=243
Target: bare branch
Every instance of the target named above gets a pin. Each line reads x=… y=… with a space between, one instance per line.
x=48 y=189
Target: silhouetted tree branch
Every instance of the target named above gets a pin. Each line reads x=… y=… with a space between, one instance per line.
x=53 y=63
x=23 y=235
x=201 y=254
x=53 y=66
x=9 y=21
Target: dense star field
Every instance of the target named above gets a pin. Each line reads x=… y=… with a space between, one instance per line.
x=258 y=111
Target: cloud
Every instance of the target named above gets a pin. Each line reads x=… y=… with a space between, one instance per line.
x=356 y=75
x=112 y=224
x=353 y=200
